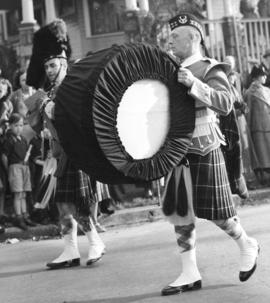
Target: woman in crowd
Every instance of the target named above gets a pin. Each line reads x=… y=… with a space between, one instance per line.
x=248 y=151
x=257 y=97
x=21 y=94
x=18 y=100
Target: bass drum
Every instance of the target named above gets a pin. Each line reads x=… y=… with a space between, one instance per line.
x=122 y=116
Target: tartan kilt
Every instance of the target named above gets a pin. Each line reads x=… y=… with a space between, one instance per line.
x=212 y=196
x=102 y=192
x=77 y=188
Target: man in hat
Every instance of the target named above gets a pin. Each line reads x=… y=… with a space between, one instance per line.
x=75 y=190
x=208 y=85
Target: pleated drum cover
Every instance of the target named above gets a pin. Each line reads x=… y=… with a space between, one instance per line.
x=122 y=116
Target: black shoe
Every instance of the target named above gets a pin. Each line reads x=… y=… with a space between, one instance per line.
x=91 y=261
x=19 y=222
x=172 y=290
x=2 y=229
x=104 y=207
x=245 y=275
x=108 y=211
x=29 y=222
x=69 y=263
x=3 y=219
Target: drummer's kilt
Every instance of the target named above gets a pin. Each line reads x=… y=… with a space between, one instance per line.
x=212 y=197
x=76 y=187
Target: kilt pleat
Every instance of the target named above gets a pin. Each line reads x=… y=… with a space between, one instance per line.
x=212 y=197
x=75 y=187
x=102 y=191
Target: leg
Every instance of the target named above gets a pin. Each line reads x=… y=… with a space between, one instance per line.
x=70 y=256
x=190 y=278
x=23 y=203
x=2 y=203
x=2 y=210
x=17 y=204
x=249 y=248
x=25 y=211
x=96 y=245
x=94 y=211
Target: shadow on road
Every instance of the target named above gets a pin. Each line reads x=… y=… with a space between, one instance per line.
x=20 y=273
x=137 y=298
x=219 y=286
x=128 y=299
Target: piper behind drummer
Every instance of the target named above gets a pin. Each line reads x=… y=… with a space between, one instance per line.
x=75 y=190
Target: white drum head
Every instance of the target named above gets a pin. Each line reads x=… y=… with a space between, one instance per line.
x=143 y=118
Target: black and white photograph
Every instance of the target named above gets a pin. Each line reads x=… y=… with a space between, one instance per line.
x=134 y=151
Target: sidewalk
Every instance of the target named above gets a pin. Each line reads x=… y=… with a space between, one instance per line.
x=123 y=217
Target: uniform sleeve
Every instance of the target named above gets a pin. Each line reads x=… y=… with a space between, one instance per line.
x=214 y=92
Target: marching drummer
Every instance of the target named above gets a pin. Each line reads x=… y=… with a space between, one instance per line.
x=208 y=85
x=75 y=190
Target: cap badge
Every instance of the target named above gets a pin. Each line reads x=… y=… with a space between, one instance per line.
x=183 y=19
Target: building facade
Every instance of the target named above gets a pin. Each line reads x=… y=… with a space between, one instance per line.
x=97 y=24
x=92 y=24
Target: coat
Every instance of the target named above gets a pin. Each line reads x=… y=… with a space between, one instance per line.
x=257 y=97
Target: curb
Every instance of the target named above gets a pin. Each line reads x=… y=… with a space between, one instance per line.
x=125 y=217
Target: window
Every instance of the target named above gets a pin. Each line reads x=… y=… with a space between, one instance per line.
x=39 y=12
x=65 y=8
x=2 y=29
x=106 y=16
x=13 y=22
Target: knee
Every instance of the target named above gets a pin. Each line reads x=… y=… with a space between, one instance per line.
x=185 y=230
x=67 y=224
x=17 y=196
x=65 y=210
x=227 y=223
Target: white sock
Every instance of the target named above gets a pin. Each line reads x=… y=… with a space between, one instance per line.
x=248 y=246
x=248 y=251
x=71 y=250
x=190 y=272
x=96 y=245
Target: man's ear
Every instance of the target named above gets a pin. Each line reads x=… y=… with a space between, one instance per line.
x=196 y=36
x=63 y=63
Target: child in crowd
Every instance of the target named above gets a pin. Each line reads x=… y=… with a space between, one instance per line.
x=15 y=157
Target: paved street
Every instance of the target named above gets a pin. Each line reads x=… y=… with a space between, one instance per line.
x=140 y=260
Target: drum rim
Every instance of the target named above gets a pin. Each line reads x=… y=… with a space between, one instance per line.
x=174 y=148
